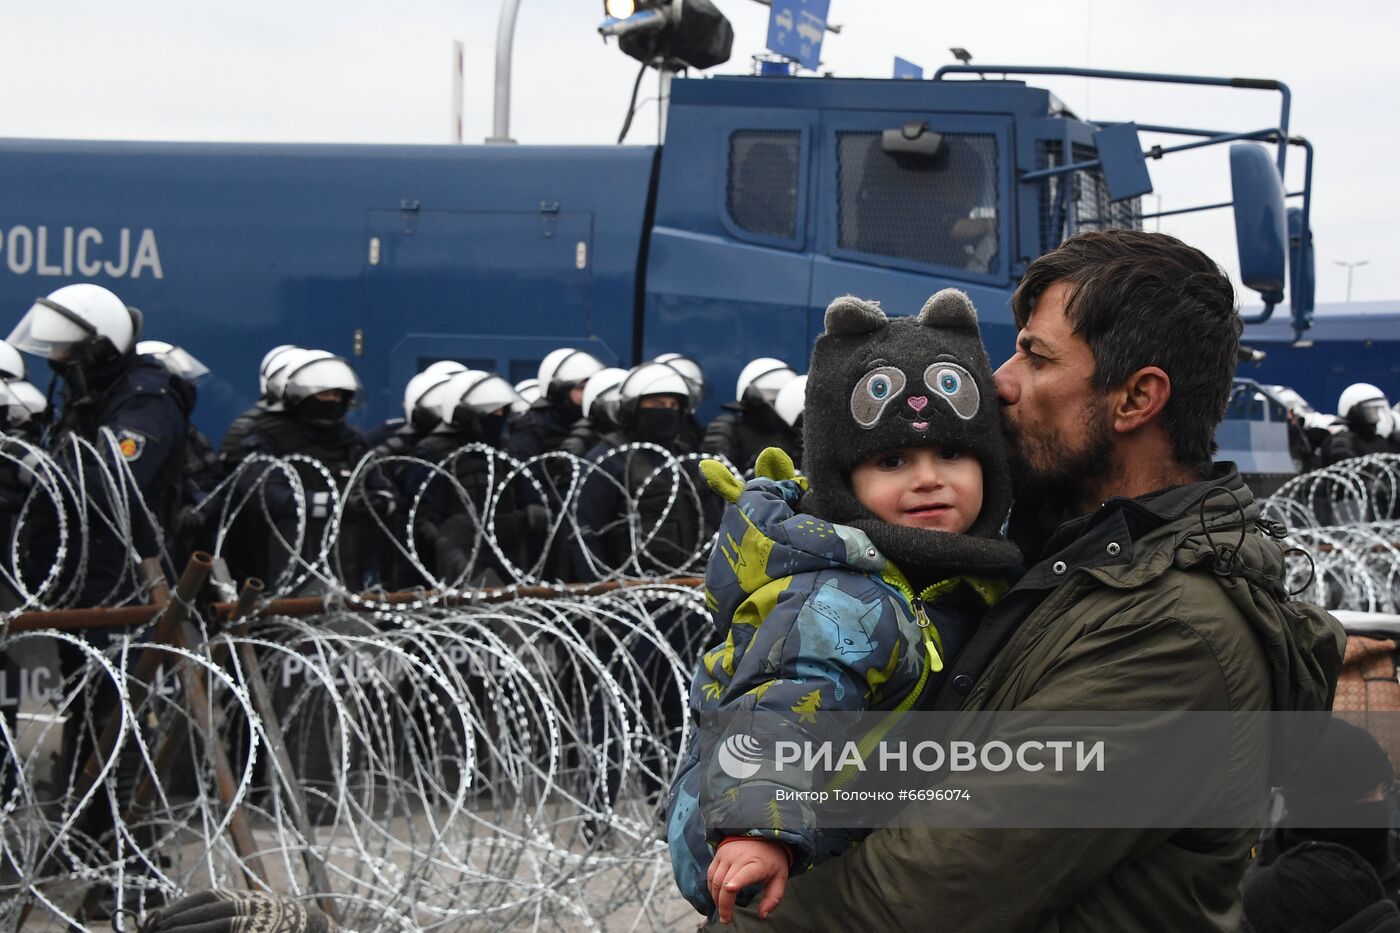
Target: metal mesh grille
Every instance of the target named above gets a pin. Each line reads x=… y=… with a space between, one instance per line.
x=941 y=211
x=762 y=194
x=1092 y=208
x=1089 y=207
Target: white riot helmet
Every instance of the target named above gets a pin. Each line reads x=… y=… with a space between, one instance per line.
x=176 y=359
x=313 y=377
x=422 y=395
x=657 y=425
x=688 y=368
x=283 y=367
x=470 y=403
x=22 y=401
x=1361 y=404
x=270 y=361
x=528 y=390
x=84 y=323
x=11 y=363
x=445 y=367
x=762 y=379
x=563 y=369
x=30 y=397
x=12 y=410
x=601 y=396
x=322 y=374
x=792 y=398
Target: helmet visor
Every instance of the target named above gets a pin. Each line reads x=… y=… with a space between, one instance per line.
x=28 y=395
x=489 y=395
x=1372 y=411
x=176 y=359
x=49 y=330
x=322 y=375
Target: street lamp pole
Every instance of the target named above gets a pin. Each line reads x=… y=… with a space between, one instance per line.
x=1350 y=267
x=505 y=48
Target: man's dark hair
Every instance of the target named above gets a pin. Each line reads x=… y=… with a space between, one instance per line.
x=1147 y=299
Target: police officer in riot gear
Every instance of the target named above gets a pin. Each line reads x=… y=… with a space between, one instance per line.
x=202 y=471
x=543 y=427
x=397 y=438
x=529 y=392
x=316 y=394
x=751 y=423
x=450 y=526
x=1367 y=415
x=599 y=411
x=646 y=515
x=232 y=444
x=421 y=395
x=652 y=403
x=89 y=336
x=20 y=404
x=692 y=431
x=135 y=414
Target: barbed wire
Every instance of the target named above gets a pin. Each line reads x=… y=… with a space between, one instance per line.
x=1344 y=526
x=474 y=767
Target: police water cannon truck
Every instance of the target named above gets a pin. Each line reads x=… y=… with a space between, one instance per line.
x=770 y=197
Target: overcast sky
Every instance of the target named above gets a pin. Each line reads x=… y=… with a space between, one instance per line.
x=353 y=71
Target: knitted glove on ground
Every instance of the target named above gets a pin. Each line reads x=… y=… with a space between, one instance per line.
x=223 y=911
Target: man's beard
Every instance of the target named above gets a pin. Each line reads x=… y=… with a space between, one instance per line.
x=1046 y=470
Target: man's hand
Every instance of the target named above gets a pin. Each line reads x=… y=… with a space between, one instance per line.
x=741 y=863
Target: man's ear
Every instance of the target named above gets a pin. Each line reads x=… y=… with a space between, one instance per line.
x=1140 y=399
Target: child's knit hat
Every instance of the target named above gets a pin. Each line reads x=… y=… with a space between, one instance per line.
x=876 y=384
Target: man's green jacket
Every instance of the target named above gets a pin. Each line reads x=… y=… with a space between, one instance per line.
x=1154 y=603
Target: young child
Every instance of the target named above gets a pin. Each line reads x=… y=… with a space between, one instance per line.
x=854 y=595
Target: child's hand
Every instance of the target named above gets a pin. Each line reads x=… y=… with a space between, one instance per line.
x=741 y=863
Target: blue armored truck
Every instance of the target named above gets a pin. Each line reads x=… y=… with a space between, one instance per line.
x=769 y=197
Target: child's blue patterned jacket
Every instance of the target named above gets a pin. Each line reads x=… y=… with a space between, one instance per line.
x=814 y=619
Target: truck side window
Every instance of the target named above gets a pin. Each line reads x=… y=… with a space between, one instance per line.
x=762 y=194
x=941 y=211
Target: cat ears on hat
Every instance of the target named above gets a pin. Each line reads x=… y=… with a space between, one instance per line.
x=849 y=315
x=948 y=308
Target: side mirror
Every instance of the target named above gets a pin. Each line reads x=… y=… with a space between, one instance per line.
x=1301 y=283
x=912 y=139
x=1260 y=221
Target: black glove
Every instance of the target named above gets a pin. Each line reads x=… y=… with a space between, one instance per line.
x=224 y=911
x=367 y=503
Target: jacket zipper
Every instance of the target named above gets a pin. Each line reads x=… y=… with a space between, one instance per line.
x=934 y=663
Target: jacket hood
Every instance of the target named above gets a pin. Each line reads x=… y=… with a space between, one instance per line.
x=1216 y=527
x=761 y=539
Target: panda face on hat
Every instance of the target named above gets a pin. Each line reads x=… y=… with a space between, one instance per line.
x=878 y=383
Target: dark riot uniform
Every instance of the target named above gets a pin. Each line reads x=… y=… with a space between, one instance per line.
x=147 y=408
x=1356 y=441
x=602 y=510
x=339 y=447
x=450 y=535
x=15 y=485
x=744 y=430
x=603 y=520
x=540 y=429
x=586 y=434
